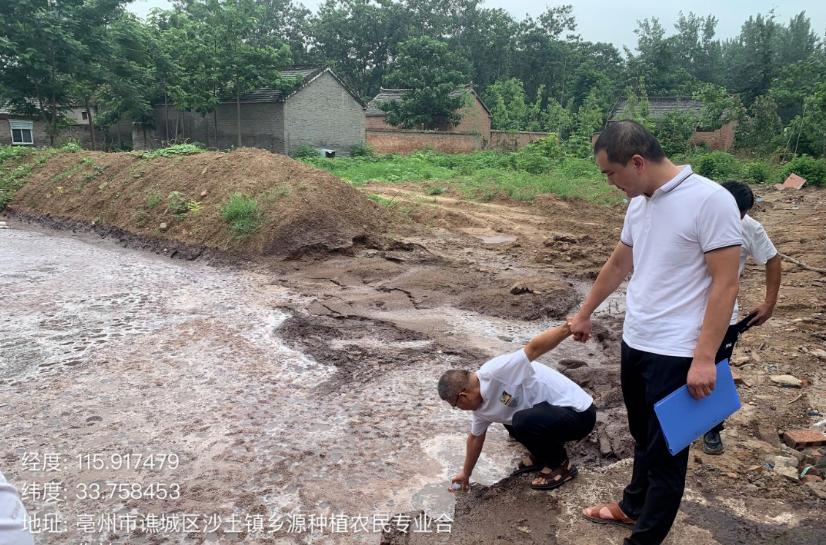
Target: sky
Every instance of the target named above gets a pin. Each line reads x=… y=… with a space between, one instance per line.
x=614 y=22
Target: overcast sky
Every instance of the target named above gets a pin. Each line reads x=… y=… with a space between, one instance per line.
x=614 y=22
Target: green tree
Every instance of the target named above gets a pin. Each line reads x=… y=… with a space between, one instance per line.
x=432 y=74
x=750 y=59
x=719 y=106
x=807 y=131
x=358 y=38
x=45 y=53
x=760 y=129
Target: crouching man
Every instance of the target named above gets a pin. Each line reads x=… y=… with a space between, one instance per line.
x=540 y=407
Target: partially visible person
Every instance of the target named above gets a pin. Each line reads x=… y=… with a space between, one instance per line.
x=540 y=407
x=680 y=242
x=758 y=245
x=12 y=516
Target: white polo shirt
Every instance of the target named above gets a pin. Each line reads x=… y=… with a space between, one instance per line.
x=670 y=233
x=511 y=383
x=758 y=245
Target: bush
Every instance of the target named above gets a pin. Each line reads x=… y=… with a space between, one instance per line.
x=171 y=151
x=531 y=160
x=11 y=152
x=717 y=165
x=71 y=147
x=243 y=214
x=362 y=150
x=305 y=152
x=674 y=131
x=550 y=147
x=757 y=172
x=814 y=170
x=176 y=203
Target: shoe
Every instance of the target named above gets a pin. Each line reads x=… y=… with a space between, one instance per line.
x=713 y=443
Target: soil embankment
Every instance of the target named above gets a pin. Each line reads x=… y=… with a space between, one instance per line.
x=178 y=201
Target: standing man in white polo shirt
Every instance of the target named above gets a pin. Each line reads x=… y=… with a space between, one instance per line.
x=758 y=245
x=681 y=243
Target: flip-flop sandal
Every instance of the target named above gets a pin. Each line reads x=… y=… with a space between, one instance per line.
x=556 y=478
x=618 y=518
x=526 y=468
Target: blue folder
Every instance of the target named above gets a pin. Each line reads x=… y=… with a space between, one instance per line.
x=683 y=418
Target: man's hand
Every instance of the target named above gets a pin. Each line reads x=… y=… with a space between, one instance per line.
x=702 y=376
x=762 y=313
x=462 y=480
x=580 y=327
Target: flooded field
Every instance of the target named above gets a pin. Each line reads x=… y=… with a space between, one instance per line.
x=110 y=354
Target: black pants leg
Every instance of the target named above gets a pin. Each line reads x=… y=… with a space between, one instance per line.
x=724 y=353
x=656 y=489
x=545 y=428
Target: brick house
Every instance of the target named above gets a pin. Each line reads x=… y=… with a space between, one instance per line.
x=475 y=115
x=720 y=139
x=28 y=130
x=321 y=112
x=470 y=134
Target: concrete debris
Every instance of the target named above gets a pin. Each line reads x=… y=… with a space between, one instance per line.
x=787 y=381
x=804 y=438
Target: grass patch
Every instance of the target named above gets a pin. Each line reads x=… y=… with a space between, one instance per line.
x=242 y=213
x=153 y=200
x=14 y=177
x=382 y=201
x=172 y=151
x=483 y=175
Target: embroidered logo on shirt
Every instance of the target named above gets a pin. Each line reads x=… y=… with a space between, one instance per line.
x=506 y=399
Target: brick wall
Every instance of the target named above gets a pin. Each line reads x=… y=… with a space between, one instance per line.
x=261 y=126
x=475 y=119
x=405 y=141
x=512 y=141
x=721 y=139
x=104 y=139
x=323 y=115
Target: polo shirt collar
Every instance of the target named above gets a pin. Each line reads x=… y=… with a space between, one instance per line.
x=671 y=184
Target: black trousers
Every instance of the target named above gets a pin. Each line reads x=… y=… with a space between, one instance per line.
x=724 y=353
x=653 y=497
x=544 y=429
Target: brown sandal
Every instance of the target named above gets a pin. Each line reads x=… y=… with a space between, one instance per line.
x=618 y=518
x=554 y=478
x=526 y=465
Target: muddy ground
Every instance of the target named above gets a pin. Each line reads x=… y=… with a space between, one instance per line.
x=308 y=385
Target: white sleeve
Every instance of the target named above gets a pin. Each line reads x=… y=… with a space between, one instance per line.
x=718 y=222
x=626 y=236
x=478 y=425
x=516 y=370
x=762 y=248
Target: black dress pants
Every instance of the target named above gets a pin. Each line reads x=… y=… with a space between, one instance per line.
x=544 y=429
x=653 y=497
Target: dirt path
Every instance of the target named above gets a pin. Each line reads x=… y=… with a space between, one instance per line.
x=307 y=386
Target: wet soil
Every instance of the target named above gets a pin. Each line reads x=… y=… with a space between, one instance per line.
x=308 y=385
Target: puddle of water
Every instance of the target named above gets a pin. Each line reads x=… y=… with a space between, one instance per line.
x=489 y=236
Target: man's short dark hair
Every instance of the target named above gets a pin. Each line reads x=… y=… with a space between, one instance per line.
x=621 y=140
x=742 y=194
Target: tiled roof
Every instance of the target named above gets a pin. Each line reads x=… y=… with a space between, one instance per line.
x=392 y=95
x=659 y=106
x=266 y=94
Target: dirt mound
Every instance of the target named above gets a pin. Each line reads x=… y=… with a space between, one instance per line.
x=180 y=199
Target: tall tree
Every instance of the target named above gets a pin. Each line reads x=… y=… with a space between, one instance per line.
x=45 y=54
x=359 y=38
x=432 y=73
